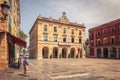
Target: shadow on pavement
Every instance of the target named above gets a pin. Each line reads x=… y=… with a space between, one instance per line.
x=21 y=75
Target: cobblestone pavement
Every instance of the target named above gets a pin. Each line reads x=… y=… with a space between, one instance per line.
x=67 y=69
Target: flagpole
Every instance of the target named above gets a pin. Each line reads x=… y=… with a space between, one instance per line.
x=83 y=51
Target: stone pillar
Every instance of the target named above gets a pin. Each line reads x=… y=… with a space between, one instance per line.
x=76 y=53
x=117 y=53
x=50 y=55
x=68 y=52
x=59 y=52
x=39 y=51
x=109 y=52
x=102 y=54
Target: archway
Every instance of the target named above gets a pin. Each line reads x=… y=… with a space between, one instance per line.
x=55 y=52
x=45 y=52
x=98 y=53
x=64 y=53
x=113 y=52
x=105 y=53
x=72 y=53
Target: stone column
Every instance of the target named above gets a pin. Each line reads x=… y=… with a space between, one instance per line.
x=59 y=52
x=76 y=53
x=50 y=53
x=109 y=52
x=68 y=52
x=102 y=54
x=117 y=53
x=39 y=51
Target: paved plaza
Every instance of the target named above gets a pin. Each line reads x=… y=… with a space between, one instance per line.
x=67 y=69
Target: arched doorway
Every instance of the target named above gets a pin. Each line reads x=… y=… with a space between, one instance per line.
x=55 y=52
x=72 y=53
x=105 y=53
x=64 y=53
x=45 y=52
x=98 y=53
x=113 y=52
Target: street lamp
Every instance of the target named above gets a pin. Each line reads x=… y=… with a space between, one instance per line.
x=5 y=7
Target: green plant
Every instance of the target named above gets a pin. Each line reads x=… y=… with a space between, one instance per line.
x=50 y=56
x=77 y=56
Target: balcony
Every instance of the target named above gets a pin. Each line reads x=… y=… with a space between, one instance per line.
x=98 y=36
x=98 y=45
x=64 y=44
x=114 y=32
x=104 y=34
x=108 y=44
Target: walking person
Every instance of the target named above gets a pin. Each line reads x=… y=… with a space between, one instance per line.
x=25 y=65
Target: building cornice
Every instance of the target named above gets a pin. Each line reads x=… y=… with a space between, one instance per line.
x=59 y=22
x=67 y=23
x=106 y=24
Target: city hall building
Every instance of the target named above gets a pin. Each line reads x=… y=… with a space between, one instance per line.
x=51 y=38
x=104 y=40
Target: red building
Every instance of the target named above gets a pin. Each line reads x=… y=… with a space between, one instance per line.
x=105 y=40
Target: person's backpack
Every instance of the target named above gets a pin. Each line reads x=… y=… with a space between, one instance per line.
x=25 y=63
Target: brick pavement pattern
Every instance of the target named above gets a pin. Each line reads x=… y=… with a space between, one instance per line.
x=67 y=69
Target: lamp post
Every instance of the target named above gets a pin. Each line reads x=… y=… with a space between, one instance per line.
x=4 y=9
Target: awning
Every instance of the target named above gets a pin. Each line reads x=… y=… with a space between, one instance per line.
x=17 y=40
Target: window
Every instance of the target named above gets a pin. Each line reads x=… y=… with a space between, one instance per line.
x=10 y=1
x=55 y=38
x=91 y=36
x=98 y=33
x=105 y=32
x=79 y=32
x=64 y=39
x=72 y=31
x=80 y=40
x=72 y=40
x=55 y=29
x=45 y=28
x=45 y=37
x=112 y=40
x=113 y=30
x=98 y=43
x=64 y=30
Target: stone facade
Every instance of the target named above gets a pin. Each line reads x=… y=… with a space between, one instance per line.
x=51 y=38
x=9 y=28
x=105 y=40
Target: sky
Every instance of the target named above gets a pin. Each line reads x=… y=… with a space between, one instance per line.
x=90 y=12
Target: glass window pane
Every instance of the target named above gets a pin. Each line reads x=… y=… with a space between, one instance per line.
x=64 y=30
x=45 y=37
x=45 y=28
x=55 y=38
x=55 y=29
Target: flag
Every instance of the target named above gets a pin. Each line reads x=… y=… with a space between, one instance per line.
x=84 y=47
